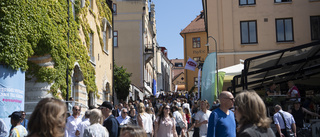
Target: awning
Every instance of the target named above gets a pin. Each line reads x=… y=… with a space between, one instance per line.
x=181 y=87
x=300 y=62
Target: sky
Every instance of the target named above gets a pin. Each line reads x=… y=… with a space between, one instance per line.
x=172 y=16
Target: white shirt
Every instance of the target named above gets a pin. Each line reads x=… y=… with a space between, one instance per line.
x=83 y=125
x=123 y=121
x=277 y=118
x=201 y=116
x=3 y=129
x=293 y=94
x=147 y=122
x=72 y=125
x=177 y=115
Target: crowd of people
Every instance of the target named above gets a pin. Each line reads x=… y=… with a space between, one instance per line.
x=171 y=115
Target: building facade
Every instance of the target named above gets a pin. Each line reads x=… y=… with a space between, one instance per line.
x=194 y=41
x=178 y=77
x=99 y=51
x=135 y=44
x=164 y=82
x=247 y=28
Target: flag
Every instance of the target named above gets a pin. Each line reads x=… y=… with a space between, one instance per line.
x=175 y=89
x=199 y=80
x=208 y=80
x=191 y=64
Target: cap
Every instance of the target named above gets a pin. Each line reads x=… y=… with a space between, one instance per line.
x=106 y=104
x=16 y=115
x=296 y=102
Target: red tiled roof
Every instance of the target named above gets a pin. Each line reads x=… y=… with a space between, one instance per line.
x=197 y=25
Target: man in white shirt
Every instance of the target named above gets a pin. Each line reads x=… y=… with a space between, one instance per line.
x=124 y=118
x=279 y=122
x=201 y=118
x=73 y=121
x=177 y=116
x=84 y=124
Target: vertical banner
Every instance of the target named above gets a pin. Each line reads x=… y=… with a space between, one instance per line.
x=12 y=88
x=220 y=83
x=199 y=83
x=208 y=80
x=154 y=87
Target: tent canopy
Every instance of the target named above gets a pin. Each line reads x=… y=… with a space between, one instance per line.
x=300 y=62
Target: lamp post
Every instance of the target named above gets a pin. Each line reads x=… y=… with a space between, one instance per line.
x=216 y=58
x=67 y=74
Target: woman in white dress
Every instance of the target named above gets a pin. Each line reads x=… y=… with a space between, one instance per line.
x=145 y=120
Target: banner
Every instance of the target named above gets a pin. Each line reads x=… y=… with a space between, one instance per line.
x=208 y=80
x=191 y=64
x=12 y=88
x=199 y=83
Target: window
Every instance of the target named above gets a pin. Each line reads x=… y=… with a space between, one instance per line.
x=247 y=2
x=196 y=42
x=196 y=59
x=248 y=32
x=178 y=64
x=91 y=47
x=91 y=4
x=115 y=38
x=114 y=8
x=284 y=30
x=105 y=42
x=315 y=27
x=280 y=1
x=196 y=81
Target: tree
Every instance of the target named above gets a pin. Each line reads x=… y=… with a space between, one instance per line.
x=121 y=82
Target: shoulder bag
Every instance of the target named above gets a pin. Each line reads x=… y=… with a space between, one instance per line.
x=288 y=130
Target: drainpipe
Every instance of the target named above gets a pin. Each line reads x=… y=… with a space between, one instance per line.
x=143 y=47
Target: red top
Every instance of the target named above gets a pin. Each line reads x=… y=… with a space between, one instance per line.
x=188 y=118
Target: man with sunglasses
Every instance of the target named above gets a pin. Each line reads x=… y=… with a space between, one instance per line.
x=73 y=121
x=222 y=121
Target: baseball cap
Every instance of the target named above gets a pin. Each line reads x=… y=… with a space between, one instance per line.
x=106 y=104
x=16 y=115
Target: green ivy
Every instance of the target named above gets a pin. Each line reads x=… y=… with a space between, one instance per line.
x=39 y=27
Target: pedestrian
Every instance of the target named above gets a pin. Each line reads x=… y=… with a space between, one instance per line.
x=299 y=112
x=184 y=120
x=222 y=121
x=73 y=121
x=17 y=129
x=283 y=120
x=178 y=118
x=188 y=118
x=165 y=123
x=24 y=120
x=251 y=114
x=123 y=119
x=145 y=120
x=202 y=117
x=293 y=92
x=110 y=122
x=132 y=131
x=84 y=124
x=3 y=129
x=96 y=129
x=133 y=116
x=48 y=119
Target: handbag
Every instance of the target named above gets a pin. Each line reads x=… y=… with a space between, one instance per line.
x=181 y=123
x=288 y=130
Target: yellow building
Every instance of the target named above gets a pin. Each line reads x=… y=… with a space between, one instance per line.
x=99 y=49
x=247 y=28
x=135 y=44
x=194 y=39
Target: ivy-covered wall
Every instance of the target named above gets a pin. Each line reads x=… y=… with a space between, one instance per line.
x=39 y=27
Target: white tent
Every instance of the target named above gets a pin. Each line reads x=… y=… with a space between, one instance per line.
x=232 y=71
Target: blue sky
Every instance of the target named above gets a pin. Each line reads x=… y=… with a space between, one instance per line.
x=172 y=16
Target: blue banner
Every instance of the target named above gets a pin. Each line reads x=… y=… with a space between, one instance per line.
x=12 y=91
x=154 y=87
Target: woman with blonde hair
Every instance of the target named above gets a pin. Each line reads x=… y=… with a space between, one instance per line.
x=145 y=120
x=48 y=119
x=132 y=131
x=184 y=119
x=250 y=113
x=96 y=129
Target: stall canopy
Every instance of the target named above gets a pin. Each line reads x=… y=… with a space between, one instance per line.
x=300 y=62
x=231 y=71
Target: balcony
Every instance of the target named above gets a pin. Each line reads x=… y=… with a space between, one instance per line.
x=149 y=53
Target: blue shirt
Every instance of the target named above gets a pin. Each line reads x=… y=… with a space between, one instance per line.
x=221 y=124
x=25 y=123
x=278 y=120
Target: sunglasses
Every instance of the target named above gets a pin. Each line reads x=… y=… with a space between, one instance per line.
x=167 y=108
x=77 y=109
